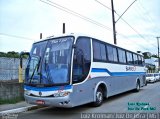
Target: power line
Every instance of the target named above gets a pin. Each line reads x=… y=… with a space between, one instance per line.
x=147 y=49
x=75 y=13
x=147 y=15
x=125 y=21
x=126 y=9
x=15 y=36
x=135 y=29
x=53 y=4
x=104 y=5
x=142 y=7
x=129 y=26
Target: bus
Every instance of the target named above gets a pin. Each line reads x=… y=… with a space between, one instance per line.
x=72 y=70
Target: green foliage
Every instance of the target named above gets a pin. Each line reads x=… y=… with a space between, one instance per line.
x=151 y=68
x=146 y=57
x=11 y=54
x=2 y=54
x=155 y=56
x=11 y=101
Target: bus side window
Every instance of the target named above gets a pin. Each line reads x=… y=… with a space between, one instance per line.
x=135 y=59
x=121 y=55
x=99 y=51
x=112 y=53
x=129 y=58
x=81 y=60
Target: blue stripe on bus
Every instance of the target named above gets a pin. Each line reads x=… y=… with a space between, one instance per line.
x=103 y=70
x=48 y=88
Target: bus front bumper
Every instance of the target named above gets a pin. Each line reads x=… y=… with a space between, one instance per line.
x=49 y=101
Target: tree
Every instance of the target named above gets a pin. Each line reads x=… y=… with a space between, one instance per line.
x=155 y=56
x=12 y=54
x=2 y=54
x=147 y=55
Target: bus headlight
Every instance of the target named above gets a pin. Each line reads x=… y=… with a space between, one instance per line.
x=26 y=92
x=61 y=94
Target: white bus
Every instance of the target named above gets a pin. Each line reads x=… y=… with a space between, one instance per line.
x=73 y=70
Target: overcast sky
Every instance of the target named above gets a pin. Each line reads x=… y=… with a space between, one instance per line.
x=21 y=22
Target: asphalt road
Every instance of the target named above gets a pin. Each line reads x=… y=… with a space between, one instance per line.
x=129 y=103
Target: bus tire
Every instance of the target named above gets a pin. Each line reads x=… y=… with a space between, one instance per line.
x=99 y=97
x=137 y=86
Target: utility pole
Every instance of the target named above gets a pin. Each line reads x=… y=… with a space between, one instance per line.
x=158 y=51
x=113 y=18
x=64 y=29
x=40 y=35
x=113 y=21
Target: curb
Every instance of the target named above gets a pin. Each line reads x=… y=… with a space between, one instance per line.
x=18 y=110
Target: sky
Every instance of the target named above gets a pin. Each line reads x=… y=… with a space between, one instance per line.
x=21 y=22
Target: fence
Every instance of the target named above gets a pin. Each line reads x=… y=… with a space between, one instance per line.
x=9 y=68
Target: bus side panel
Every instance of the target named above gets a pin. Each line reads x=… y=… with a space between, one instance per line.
x=143 y=79
x=84 y=92
x=119 y=84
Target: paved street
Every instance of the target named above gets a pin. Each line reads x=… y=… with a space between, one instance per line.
x=145 y=101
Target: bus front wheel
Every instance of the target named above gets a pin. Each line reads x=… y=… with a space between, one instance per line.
x=99 y=97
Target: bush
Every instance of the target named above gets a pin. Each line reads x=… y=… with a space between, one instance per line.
x=11 y=101
x=11 y=54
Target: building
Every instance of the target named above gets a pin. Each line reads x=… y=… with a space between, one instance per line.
x=151 y=64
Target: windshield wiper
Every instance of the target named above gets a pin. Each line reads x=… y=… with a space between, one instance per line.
x=36 y=67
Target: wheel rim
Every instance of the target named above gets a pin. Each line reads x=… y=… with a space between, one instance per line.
x=99 y=97
x=138 y=86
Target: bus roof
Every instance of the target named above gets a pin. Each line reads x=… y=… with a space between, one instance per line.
x=85 y=35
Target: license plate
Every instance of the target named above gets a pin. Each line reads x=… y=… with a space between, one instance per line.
x=40 y=102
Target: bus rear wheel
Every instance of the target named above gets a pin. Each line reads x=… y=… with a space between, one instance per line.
x=99 y=97
x=137 y=86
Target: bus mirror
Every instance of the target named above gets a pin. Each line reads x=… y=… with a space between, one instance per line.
x=21 y=57
x=20 y=77
x=24 y=53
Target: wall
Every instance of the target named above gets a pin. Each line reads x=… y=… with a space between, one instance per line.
x=9 y=68
x=9 y=86
x=11 y=90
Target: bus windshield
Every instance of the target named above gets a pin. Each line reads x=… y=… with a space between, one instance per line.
x=49 y=62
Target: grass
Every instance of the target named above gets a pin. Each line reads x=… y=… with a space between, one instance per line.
x=11 y=101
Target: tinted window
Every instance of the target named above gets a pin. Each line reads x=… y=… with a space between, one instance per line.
x=112 y=53
x=121 y=56
x=103 y=52
x=99 y=51
x=129 y=58
x=96 y=50
x=135 y=58
x=140 y=60
x=81 y=60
